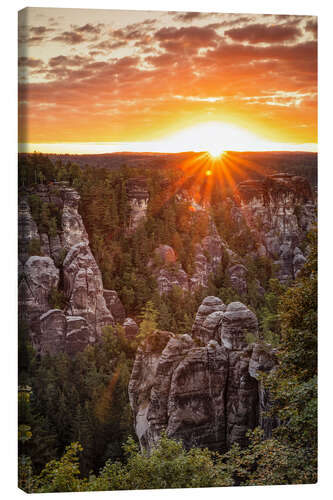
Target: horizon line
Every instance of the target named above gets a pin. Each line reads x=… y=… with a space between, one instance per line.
x=81 y=148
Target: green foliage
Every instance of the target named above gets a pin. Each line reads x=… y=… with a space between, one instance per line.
x=60 y=475
x=168 y=465
x=148 y=322
x=57 y=299
x=84 y=399
x=34 y=247
x=268 y=462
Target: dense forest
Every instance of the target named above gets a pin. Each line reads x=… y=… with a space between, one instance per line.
x=75 y=422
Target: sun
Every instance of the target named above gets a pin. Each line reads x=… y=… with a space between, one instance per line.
x=214 y=137
x=215 y=152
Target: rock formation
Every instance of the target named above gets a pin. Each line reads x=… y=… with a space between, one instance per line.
x=83 y=287
x=138 y=198
x=131 y=328
x=27 y=230
x=113 y=303
x=209 y=254
x=206 y=395
x=280 y=210
x=88 y=306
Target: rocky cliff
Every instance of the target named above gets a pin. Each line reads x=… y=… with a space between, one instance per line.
x=65 y=267
x=279 y=210
x=202 y=388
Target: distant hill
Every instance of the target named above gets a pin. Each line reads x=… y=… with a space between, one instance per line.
x=249 y=164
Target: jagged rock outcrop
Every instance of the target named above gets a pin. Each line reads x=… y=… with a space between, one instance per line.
x=237 y=274
x=86 y=312
x=208 y=395
x=208 y=319
x=279 y=210
x=73 y=230
x=237 y=321
x=115 y=306
x=60 y=333
x=38 y=276
x=83 y=288
x=209 y=254
x=138 y=197
x=27 y=230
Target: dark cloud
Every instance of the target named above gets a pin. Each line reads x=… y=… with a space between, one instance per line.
x=136 y=32
x=312 y=27
x=33 y=35
x=67 y=61
x=188 y=17
x=190 y=39
x=40 y=30
x=89 y=28
x=259 y=33
x=29 y=62
x=69 y=38
x=110 y=45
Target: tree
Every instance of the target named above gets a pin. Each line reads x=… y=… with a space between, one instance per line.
x=148 y=316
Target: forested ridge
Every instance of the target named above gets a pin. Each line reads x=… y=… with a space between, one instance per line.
x=75 y=422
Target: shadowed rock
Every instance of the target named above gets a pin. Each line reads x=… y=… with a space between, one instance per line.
x=206 y=330
x=205 y=396
x=237 y=321
x=27 y=230
x=113 y=303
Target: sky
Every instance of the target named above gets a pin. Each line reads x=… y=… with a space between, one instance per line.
x=107 y=80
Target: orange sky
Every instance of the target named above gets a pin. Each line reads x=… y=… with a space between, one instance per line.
x=139 y=79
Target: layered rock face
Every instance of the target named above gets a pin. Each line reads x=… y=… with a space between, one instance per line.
x=88 y=306
x=208 y=395
x=83 y=288
x=138 y=198
x=280 y=210
x=38 y=277
x=209 y=254
x=27 y=230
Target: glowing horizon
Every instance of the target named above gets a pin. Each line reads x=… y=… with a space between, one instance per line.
x=109 y=148
x=99 y=81
x=213 y=137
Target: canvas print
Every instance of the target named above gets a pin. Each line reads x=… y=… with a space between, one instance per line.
x=167 y=243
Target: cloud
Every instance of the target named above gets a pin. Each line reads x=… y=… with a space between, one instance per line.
x=33 y=35
x=188 y=17
x=67 y=61
x=175 y=73
x=40 y=30
x=69 y=37
x=262 y=33
x=29 y=62
x=312 y=27
x=189 y=39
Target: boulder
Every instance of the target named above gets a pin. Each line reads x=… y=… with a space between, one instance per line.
x=165 y=253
